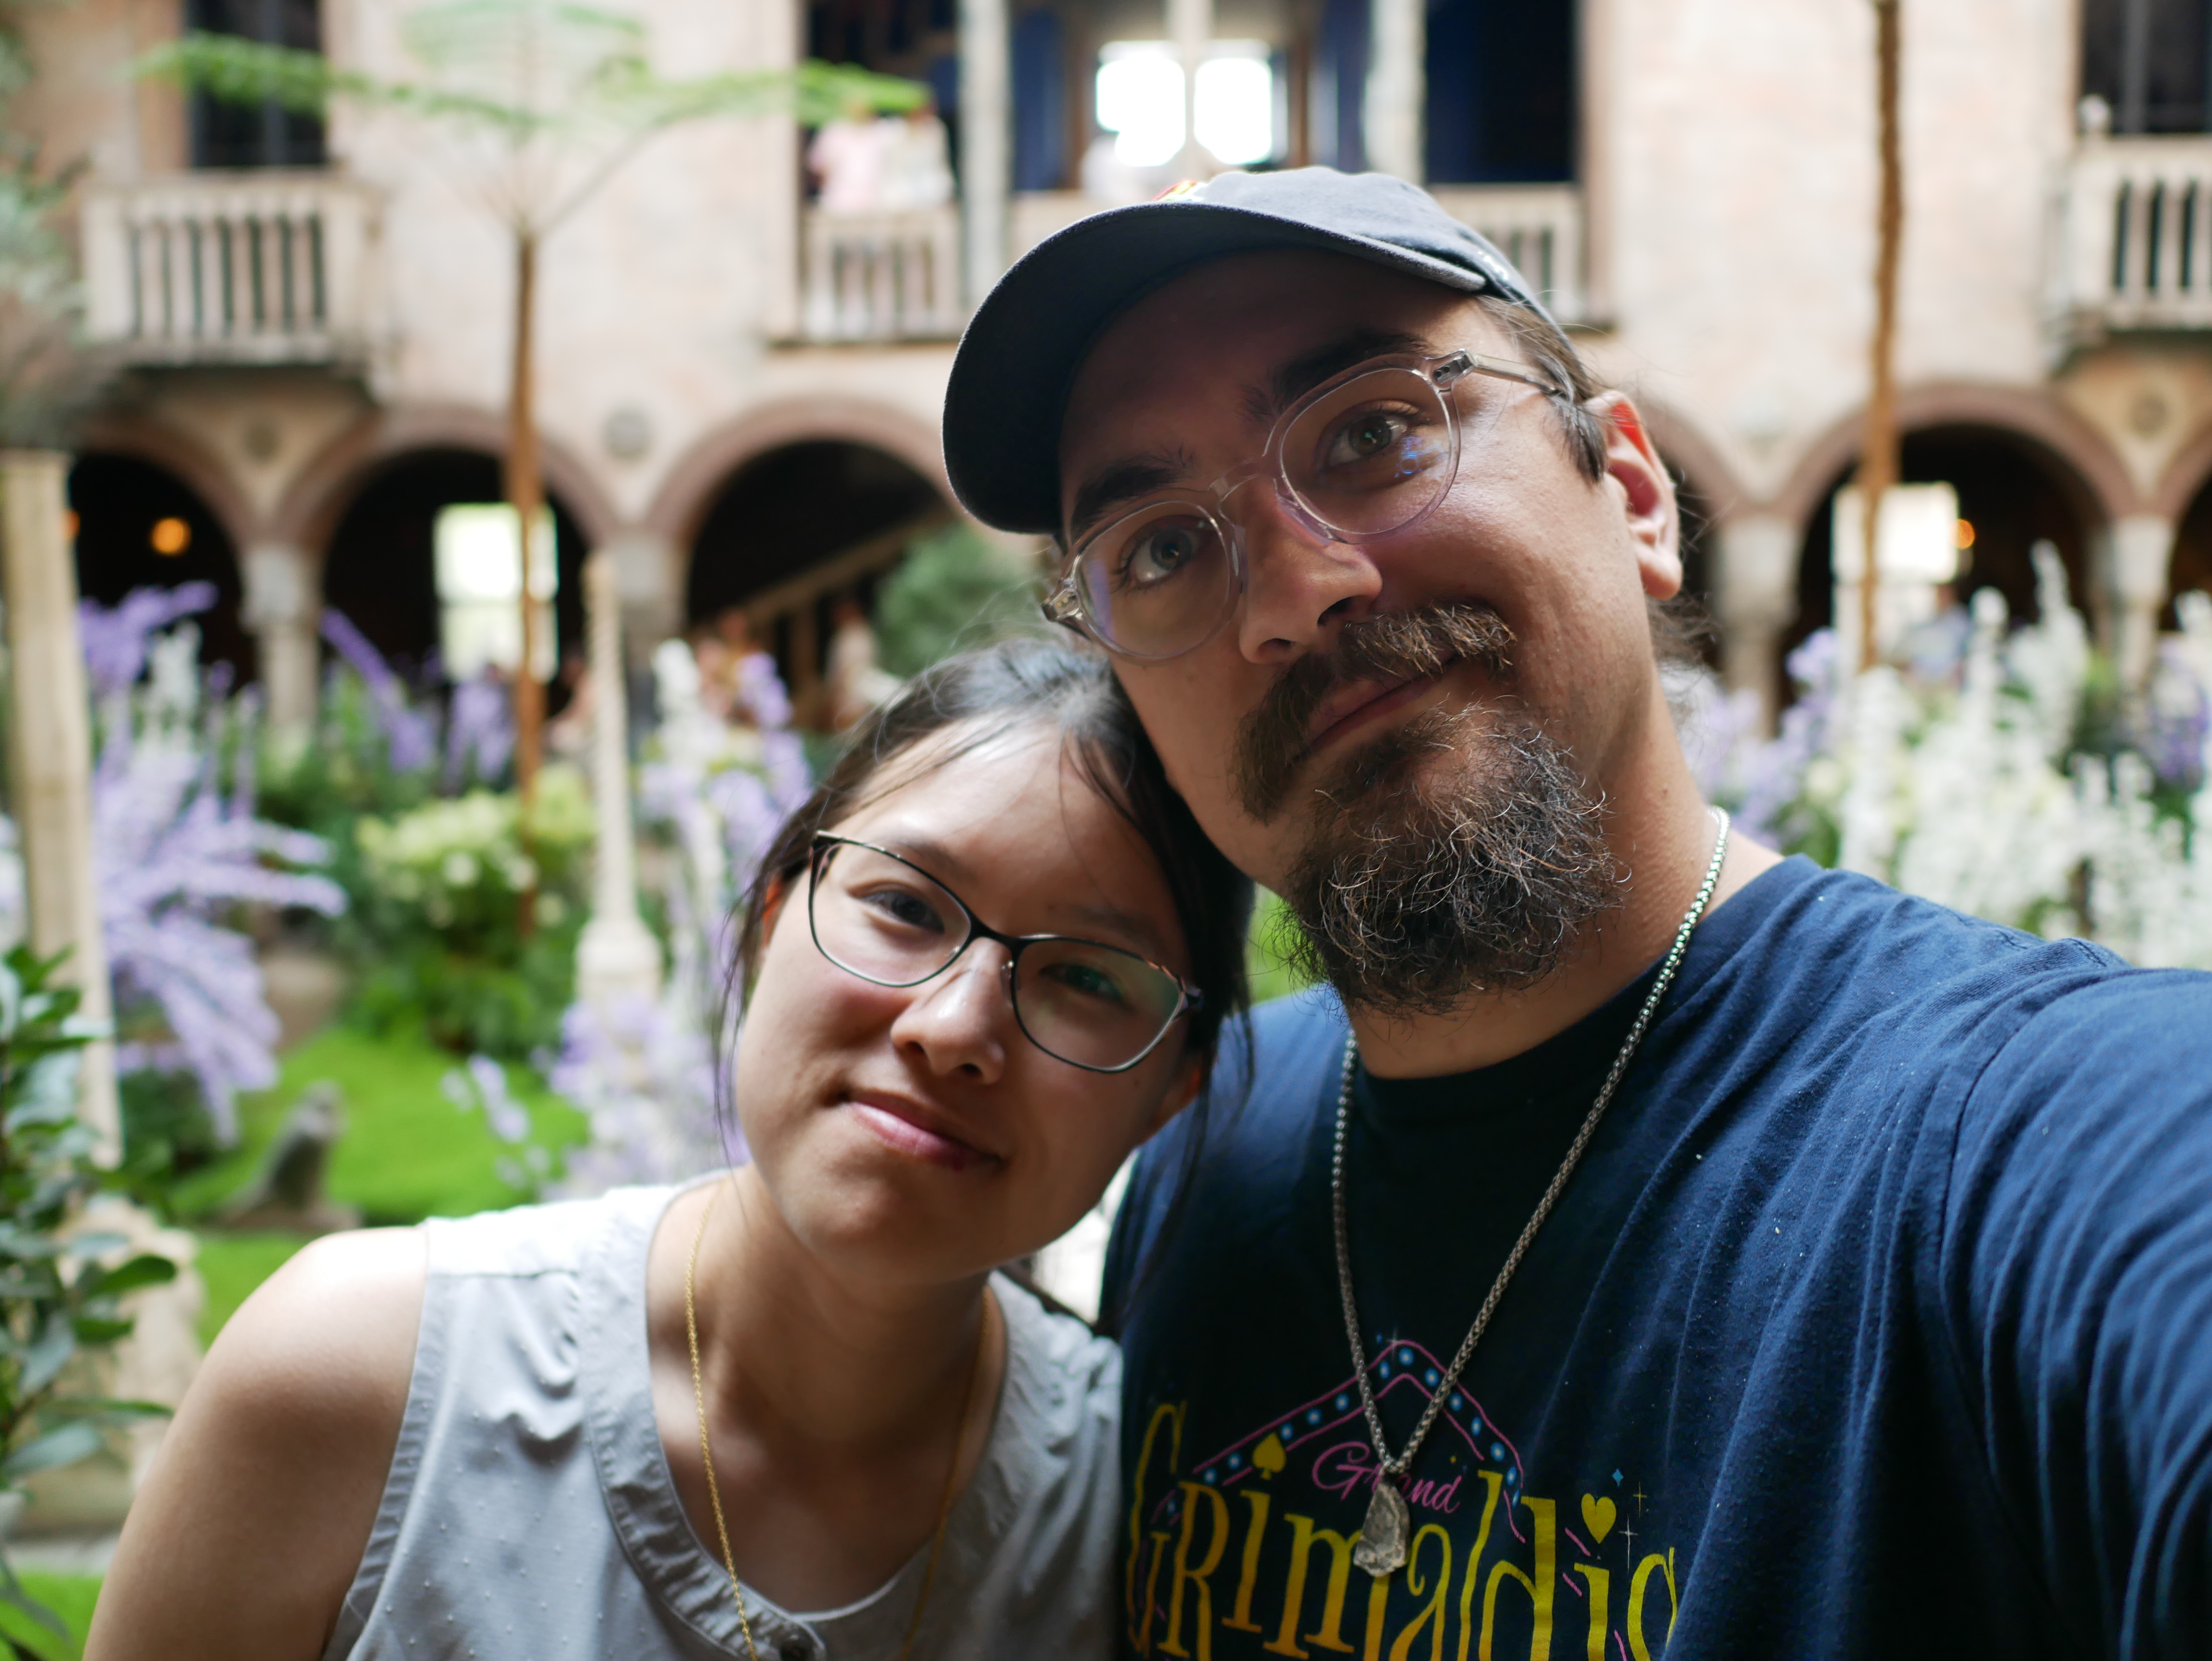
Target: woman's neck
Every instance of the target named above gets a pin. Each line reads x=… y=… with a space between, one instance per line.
x=827 y=1360
x=834 y=1408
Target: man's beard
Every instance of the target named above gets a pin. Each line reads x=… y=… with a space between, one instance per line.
x=1458 y=852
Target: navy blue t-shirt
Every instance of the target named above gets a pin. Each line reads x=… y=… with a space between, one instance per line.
x=1877 y=1321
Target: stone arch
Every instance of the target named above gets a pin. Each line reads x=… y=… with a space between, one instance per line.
x=689 y=492
x=2185 y=477
x=2033 y=415
x=326 y=486
x=179 y=453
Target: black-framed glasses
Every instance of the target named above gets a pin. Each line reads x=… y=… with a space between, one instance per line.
x=885 y=920
x=1366 y=454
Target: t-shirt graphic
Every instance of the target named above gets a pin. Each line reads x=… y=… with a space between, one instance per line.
x=1877 y=1319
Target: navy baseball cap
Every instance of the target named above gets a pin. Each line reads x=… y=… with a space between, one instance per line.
x=1019 y=357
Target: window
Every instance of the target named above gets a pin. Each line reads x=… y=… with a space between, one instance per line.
x=2147 y=60
x=255 y=135
x=1140 y=102
x=1501 y=93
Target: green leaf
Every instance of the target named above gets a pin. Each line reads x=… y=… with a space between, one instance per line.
x=104 y=1408
x=46 y=1355
x=99 y=1328
x=145 y=1270
x=78 y=1439
x=12 y=1591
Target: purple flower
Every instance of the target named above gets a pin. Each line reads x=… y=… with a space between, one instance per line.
x=479 y=733
x=1774 y=772
x=115 y=641
x=760 y=690
x=409 y=735
x=482 y=1083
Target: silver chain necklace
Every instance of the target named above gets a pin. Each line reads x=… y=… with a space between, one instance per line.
x=1382 y=1544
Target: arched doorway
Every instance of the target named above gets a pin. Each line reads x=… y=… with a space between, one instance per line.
x=381 y=570
x=139 y=526
x=2011 y=491
x=793 y=534
x=2191 y=567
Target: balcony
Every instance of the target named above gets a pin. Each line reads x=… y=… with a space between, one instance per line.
x=258 y=267
x=2135 y=236
x=880 y=276
x=1539 y=228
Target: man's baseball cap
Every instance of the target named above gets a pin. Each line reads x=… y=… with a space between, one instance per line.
x=1019 y=357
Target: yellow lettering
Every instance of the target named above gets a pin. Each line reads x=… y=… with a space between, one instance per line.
x=1496 y=1485
x=1539 y=1584
x=1600 y=1580
x=1140 y=1620
x=1378 y=1600
x=1434 y=1616
x=1666 y=1567
x=1241 y=1619
x=1303 y=1537
x=1217 y=1542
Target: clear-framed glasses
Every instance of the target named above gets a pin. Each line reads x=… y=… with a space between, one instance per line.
x=1364 y=454
x=887 y=921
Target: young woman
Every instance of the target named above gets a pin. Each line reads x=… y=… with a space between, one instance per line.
x=788 y=1412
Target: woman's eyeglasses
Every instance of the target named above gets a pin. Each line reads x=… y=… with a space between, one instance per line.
x=1363 y=455
x=885 y=920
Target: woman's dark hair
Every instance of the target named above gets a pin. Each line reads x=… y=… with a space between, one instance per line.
x=1005 y=688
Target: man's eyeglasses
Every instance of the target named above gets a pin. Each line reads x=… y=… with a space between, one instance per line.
x=1363 y=455
x=887 y=921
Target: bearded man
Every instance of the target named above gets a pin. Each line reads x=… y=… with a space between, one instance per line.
x=1662 y=1246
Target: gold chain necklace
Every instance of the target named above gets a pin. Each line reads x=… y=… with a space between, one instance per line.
x=706 y=1452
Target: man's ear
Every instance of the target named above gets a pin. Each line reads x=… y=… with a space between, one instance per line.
x=1648 y=489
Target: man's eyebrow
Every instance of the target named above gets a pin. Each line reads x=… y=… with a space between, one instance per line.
x=1124 y=479
x=1301 y=374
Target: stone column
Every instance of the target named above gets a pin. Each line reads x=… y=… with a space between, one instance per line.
x=50 y=757
x=618 y=957
x=1755 y=599
x=2141 y=558
x=1397 y=88
x=1191 y=29
x=283 y=607
x=987 y=135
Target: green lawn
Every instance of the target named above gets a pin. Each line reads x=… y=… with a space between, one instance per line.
x=1272 y=976
x=69 y=1595
x=408 y=1153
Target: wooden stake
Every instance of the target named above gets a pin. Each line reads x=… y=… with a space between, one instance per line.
x=525 y=493
x=1879 y=463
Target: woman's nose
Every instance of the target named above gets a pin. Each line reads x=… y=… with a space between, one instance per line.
x=959 y=1022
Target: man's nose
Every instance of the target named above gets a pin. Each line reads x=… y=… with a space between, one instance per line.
x=957 y=1023
x=1299 y=584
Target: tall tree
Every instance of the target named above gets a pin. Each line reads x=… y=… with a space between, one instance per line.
x=1879 y=463
x=547 y=99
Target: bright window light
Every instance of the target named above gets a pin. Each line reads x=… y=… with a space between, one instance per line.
x=1236 y=103
x=1140 y=101
x=479 y=568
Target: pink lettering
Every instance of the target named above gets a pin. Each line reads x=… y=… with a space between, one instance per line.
x=1343 y=1468
x=1347 y=1467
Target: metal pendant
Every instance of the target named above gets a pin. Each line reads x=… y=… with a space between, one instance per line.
x=1382 y=1547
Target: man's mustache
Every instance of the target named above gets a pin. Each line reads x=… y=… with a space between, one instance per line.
x=1274 y=740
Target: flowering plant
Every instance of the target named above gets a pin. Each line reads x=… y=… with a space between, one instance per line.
x=1997 y=779
x=444 y=892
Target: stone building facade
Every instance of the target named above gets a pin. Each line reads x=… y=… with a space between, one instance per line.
x=739 y=392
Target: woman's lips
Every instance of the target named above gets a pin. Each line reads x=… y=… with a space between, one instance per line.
x=914 y=1130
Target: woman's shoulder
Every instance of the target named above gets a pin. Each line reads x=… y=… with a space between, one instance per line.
x=1055 y=1364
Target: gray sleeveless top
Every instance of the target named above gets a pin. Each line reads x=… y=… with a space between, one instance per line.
x=529 y=1513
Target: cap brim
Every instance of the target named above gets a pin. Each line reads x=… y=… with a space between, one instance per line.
x=1021 y=351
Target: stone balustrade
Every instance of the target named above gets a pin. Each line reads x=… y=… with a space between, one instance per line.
x=260 y=266
x=2137 y=235
x=881 y=275
x=1539 y=228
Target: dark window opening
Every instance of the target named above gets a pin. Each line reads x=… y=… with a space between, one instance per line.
x=2150 y=61
x=264 y=135
x=1501 y=105
x=139 y=526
